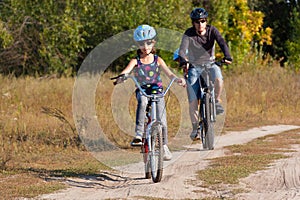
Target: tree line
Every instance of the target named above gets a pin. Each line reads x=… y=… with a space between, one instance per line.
x=39 y=37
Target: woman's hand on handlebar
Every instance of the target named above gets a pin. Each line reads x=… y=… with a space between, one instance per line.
x=181 y=82
x=224 y=61
x=227 y=60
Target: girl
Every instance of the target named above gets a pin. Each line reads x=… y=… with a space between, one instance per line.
x=146 y=68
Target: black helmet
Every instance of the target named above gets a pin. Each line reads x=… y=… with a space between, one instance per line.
x=198 y=13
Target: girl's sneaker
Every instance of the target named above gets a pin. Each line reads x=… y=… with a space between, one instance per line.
x=137 y=141
x=167 y=153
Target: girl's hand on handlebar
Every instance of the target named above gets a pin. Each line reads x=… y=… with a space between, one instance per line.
x=119 y=79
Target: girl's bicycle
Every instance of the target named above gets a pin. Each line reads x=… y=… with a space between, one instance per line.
x=152 y=142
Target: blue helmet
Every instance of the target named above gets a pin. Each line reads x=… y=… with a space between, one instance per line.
x=144 y=32
x=176 y=54
x=198 y=13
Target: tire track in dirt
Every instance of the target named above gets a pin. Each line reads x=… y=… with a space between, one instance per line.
x=279 y=181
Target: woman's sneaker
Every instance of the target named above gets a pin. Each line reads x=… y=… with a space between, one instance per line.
x=167 y=153
x=194 y=135
x=219 y=108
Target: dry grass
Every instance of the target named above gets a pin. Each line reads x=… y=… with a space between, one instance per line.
x=22 y=101
x=260 y=96
x=37 y=128
x=25 y=185
x=242 y=160
x=38 y=170
x=34 y=143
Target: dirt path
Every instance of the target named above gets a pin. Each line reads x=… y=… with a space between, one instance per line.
x=282 y=181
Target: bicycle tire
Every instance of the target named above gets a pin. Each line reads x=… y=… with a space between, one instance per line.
x=147 y=170
x=145 y=151
x=201 y=128
x=156 y=153
x=145 y=147
x=213 y=107
x=202 y=136
x=208 y=123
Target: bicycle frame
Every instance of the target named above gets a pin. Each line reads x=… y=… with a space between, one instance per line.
x=153 y=99
x=207 y=109
x=208 y=88
x=152 y=126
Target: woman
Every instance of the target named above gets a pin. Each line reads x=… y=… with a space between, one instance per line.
x=199 y=41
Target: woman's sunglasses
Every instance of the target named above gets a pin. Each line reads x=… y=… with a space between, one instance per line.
x=202 y=21
x=148 y=43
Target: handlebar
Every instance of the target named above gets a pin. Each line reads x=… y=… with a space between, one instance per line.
x=209 y=64
x=220 y=63
x=126 y=76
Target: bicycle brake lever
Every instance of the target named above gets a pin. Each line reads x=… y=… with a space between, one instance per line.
x=120 y=78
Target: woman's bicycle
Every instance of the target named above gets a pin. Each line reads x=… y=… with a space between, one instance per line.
x=152 y=142
x=207 y=108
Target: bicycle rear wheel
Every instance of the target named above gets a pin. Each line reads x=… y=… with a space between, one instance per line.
x=156 y=153
x=208 y=123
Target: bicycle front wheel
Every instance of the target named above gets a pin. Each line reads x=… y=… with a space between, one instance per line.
x=145 y=151
x=156 y=153
x=208 y=123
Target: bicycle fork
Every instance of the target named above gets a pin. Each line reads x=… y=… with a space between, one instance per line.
x=212 y=104
x=147 y=142
x=209 y=89
x=202 y=111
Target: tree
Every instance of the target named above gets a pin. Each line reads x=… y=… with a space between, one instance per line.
x=283 y=17
x=293 y=43
x=54 y=36
x=47 y=38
